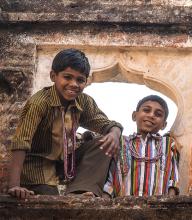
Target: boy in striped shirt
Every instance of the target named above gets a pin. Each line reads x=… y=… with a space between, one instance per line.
x=44 y=149
x=148 y=162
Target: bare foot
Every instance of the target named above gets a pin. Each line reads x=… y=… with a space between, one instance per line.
x=90 y=194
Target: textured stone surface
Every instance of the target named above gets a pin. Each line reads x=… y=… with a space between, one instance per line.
x=145 y=42
x=142 y=12
x=130 y=208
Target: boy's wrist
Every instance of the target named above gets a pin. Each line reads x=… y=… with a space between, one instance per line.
x=116 y=130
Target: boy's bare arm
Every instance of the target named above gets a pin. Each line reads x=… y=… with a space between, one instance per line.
x=16 y=166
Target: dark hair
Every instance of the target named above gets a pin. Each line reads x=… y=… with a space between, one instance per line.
x=73 y=58
x=154 y=98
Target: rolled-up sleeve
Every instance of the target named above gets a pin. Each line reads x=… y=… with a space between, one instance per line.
x=30 y=118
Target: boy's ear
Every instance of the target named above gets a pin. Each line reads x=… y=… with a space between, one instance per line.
x=134 y=115
x=164 y=125
x=52 y=76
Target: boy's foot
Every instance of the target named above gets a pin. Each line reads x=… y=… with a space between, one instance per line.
x=88 y=194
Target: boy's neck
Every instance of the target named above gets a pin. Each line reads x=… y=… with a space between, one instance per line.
x=65 y=103
x=143 y=135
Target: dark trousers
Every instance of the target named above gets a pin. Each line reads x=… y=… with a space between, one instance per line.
x=92 y=169
x=43 y=189
x=91 y=172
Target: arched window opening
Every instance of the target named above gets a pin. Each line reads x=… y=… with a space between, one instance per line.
x=119 y=100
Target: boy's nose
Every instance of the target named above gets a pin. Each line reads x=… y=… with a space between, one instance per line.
x=74 y=83
x=151 y=114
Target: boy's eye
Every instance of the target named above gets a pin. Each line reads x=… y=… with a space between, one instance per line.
x=146 y=110
x=159 y=114
x=67 y=77
x=81 y=80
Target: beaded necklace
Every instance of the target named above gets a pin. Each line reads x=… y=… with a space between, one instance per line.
x=135 y=154
x=128 y=149
x=69 y=159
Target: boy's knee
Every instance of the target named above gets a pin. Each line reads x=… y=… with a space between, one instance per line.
x=92 y=144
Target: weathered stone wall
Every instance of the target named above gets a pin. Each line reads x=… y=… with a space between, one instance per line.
x=130 y=208
x=144 y=42
x=16 y=72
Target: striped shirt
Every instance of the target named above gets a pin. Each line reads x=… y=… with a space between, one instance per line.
x=145 y=167
x=40 y=132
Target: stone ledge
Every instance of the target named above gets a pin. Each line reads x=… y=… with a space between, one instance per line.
x=63 y=207
x=103 y=13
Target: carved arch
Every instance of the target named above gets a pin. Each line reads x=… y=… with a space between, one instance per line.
x=119 y=72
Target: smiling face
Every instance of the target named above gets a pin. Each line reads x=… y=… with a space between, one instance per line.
x=150 y=118
x=69 y=83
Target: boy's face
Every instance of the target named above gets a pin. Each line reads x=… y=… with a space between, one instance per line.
x=69 y=83
x=150 y=118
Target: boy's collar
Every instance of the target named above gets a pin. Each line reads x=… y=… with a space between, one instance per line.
x=55 y=101
x=155 y=136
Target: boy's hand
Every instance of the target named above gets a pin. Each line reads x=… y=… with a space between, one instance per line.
x=20 y=192
x=110 y=143
x=171 y=191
